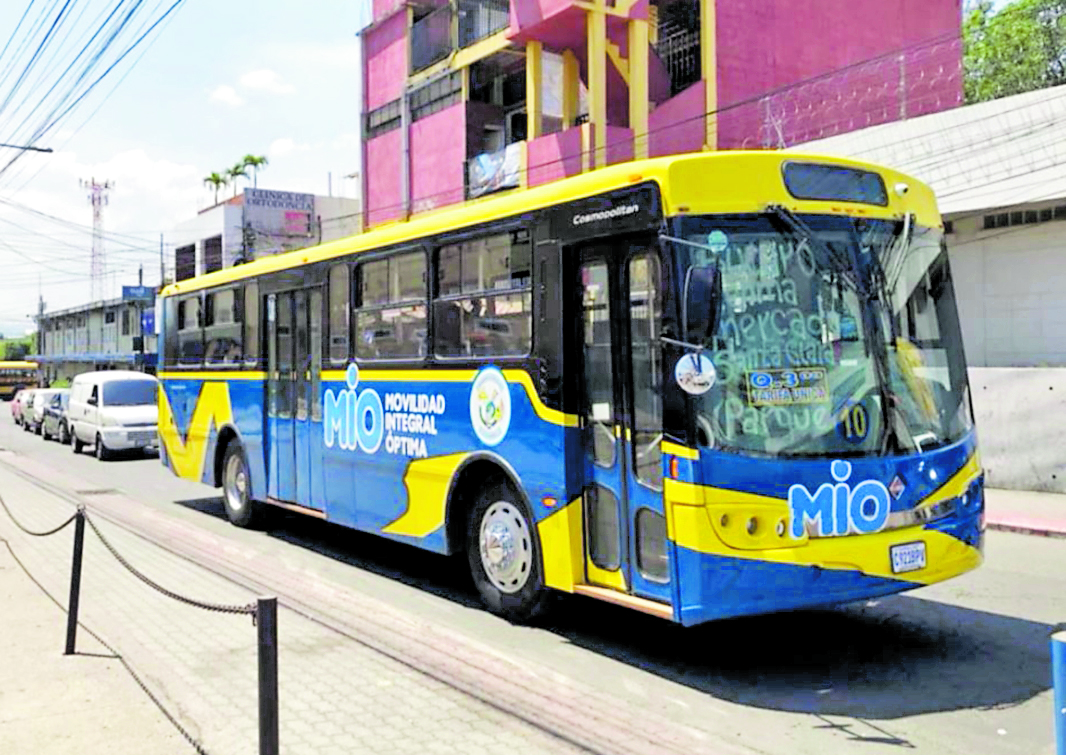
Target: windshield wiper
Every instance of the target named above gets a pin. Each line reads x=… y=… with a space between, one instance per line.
x=840 y=262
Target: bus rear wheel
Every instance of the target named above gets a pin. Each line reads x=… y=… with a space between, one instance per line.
x=241 y=510
x=504 y=554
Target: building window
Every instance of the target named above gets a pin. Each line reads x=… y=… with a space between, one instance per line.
x=222 y=327
x=125 y=322
x=190 y=331
x=677 y=33
x=484 y=297
x=437 y=95
x=212 y=254
x=382 y=119
x=390 y=307
x=340 y=302
x=109 y=318
x=185 y=262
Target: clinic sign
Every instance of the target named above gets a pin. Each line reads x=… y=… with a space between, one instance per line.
x=279 y=213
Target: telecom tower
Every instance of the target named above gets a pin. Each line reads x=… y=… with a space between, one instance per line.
x=98 y=198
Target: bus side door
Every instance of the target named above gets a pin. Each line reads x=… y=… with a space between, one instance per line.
x=626 y=545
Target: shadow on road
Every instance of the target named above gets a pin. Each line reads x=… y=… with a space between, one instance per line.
x=890 y=658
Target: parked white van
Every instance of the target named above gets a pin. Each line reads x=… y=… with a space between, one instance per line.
x=113 y=410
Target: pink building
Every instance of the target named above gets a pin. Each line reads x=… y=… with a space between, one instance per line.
x=467 y=97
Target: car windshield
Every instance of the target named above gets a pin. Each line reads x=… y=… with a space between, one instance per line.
x=129 y=393
x=832 y=335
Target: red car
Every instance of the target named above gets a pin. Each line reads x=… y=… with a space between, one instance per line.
x=21 y=404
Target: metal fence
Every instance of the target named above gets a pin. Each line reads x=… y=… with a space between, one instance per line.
x=481 y=18
x=431 y=38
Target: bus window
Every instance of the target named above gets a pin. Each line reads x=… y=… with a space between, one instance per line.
x=645 y=320
x=390 y=307
x=251 y=322
x=190 y=332
x=222 y=328
x=484 y=304
x=339 y=305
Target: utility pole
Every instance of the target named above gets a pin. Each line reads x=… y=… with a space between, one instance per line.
x=98 y=198
x=40 y=330
x=140 y=318
x=162 y=265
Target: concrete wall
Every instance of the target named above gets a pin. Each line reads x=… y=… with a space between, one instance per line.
x=1020 y=429
x=439 y=156
x=677 y=125
x=382 y=166
x=554 y=156
x=1009 y=286
x=340 y=217
x=765 y=46
x=385 y=62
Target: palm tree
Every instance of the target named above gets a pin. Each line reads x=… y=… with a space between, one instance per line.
x=255 y=162
x=217 y=181
x=237 y=171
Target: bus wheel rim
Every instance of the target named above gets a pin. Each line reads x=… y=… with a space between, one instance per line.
x=506 y=547
x=236 y=483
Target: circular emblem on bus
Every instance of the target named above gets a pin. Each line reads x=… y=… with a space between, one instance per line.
x=490 y=406
x=695 y=374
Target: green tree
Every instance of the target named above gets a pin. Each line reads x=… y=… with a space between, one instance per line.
x=217 y=181
x=237 y=171
x=1020 y=48
x=17 y=350
x=255 y=162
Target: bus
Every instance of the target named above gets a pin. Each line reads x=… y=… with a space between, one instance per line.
x=16 y=375
x=699 y=386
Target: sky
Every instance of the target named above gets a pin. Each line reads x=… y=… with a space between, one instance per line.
x=220 y=79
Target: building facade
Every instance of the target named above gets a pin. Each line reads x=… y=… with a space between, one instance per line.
x=108 y=335
x=467 y=97
x=256 y=223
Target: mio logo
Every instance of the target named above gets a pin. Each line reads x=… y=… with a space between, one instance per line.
x=839 y=509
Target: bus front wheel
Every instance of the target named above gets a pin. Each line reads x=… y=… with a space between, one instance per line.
x=236 y=487
x=504 y=554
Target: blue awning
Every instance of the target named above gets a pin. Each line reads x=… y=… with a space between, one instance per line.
x=148 y=358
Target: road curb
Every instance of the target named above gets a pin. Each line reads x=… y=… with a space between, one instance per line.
x=1026 y=529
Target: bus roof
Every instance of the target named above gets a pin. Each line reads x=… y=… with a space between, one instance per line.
x=694 y=183
x=17 y=365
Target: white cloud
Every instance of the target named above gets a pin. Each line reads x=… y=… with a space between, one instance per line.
x=265 y=80
x=281 y=147
x=227 y=94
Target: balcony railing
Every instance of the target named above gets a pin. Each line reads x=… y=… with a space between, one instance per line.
x=431 y=38
x=482 y=18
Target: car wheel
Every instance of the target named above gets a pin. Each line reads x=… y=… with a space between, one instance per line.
x=504 y=554
x=237 y=487
x=44 y=432
x=64 y=434
x=102 y=453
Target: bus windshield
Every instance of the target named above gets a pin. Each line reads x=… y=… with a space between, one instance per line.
x=830 y=335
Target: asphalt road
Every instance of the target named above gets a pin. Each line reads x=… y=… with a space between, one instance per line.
x=960 y=667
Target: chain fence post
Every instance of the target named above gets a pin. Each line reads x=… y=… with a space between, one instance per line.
x=1058 y=676
x=75 y=580
x=266 y=621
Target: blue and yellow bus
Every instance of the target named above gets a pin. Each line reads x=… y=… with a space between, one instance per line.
x=699 y=386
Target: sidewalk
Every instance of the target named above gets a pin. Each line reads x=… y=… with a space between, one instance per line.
x=49 y=702
x=1026 y=512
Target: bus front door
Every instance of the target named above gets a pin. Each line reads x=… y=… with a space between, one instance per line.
x=294 y=412
x=625 y=525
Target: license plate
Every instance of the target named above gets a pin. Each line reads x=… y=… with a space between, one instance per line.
x=907 y=557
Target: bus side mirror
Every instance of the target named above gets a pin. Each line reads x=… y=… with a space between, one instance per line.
x=701 y=302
